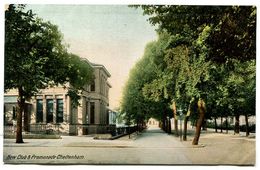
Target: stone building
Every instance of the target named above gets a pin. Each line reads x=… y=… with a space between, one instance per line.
x=52 y=109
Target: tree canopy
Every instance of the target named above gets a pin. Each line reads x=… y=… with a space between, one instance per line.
x=206 y=53
x=36 y=57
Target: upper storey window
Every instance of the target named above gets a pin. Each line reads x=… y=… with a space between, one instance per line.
x=93 y=86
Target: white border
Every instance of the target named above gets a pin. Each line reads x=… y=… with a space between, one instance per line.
x=173 y=2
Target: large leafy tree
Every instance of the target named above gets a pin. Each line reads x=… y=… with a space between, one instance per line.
x=185 y=73
x=134 y=104
x=36 y=57
x=206 y=33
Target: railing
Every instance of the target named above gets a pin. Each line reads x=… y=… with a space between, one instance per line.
x=72 y=129
x=125 y=130
x=9 y=129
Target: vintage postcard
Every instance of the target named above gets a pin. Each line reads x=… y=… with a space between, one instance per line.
x=129 y=84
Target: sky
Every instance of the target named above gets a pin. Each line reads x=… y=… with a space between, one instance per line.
x=112 y=35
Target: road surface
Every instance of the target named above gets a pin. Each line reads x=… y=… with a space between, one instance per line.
x=151 y=147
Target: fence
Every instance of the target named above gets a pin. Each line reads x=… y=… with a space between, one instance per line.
x=9 y=129
x=125 y=130
x=72 y=129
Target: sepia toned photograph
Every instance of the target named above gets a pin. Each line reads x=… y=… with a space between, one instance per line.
x=107 y=84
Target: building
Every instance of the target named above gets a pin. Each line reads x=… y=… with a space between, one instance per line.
x=52 y=108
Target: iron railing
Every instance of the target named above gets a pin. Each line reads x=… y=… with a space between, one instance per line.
x=72 y=129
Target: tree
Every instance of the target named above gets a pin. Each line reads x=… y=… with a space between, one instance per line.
x=209 y=33
x=134 y=104
x=35 y=58
x=185 y=73
x=233 y=27
x=240 y=85
x=79 y=73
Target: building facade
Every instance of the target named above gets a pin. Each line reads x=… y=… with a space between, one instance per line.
x=52 y=108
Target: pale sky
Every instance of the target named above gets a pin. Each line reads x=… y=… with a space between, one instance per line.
x=112 y=35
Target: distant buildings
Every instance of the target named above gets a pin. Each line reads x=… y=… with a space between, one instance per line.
x=52 y=109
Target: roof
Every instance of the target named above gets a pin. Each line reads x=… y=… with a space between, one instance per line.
x=94 y=65
x=101 y=66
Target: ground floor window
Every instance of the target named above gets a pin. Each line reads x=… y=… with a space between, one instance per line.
x=39 y=111
x=92 y=113
x=59 y=111
x=49 y=107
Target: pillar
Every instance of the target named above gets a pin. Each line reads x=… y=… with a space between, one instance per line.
x=80 y=117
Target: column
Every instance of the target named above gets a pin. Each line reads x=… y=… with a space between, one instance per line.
x=84 y=110
x=69 y=110
x=33 y=111
x=97 y=112
x=80 y=116
x=88 y=107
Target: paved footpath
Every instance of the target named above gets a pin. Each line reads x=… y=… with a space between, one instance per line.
x=150 y=147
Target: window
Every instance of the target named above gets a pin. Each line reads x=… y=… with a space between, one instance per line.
x=92 y=86
x=49 y=110
x=59 y=112
x=92 y=113
x=39 y=111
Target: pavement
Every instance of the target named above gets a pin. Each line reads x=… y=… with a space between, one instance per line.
x=151 y=147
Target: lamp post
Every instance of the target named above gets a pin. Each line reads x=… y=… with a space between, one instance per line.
x=180 y=118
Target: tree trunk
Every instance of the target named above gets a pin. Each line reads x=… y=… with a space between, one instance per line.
x=202 y=110
x=186 y=119
x=176 y=131
x=221 y=124
x=163 y=123
x=226 y=125
x=185 y=128
x=26 y=118
x=216 y=125
x=170 y=127
x=19 y=126
x=236 y=128
x=247 y=126
x=167 y=125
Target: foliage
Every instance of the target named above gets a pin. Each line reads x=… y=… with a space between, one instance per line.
x=36 y=58
x=208 y=52
x=145 y=70
x=233 y=27
x=211 y=51
x=79 y=74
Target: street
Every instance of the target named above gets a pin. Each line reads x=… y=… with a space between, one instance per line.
x=153 y=146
